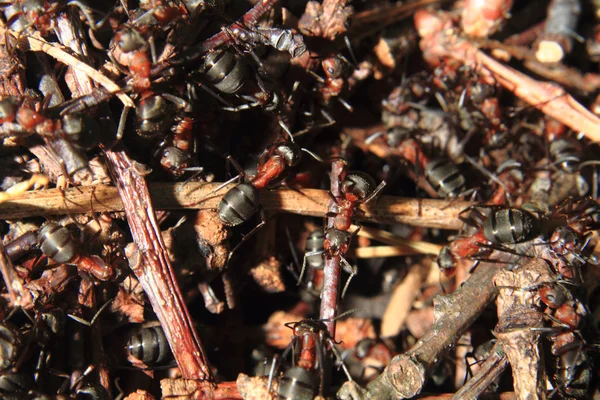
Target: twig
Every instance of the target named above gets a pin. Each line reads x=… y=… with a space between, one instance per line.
x=416 y=246
x=332 y=270
x=383 y=251
x=70 y=33
x=491 y=369
x=19 y=296
x=20 y=188
x=518 y=313
x=56 y=51
x=149 y=261
x=428 y=213
x=557 y=39
x=405 y=375
x=402 y=300
x=438 y=41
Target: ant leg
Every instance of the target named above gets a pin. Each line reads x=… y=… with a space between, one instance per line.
x=229 y=159
x=375 y=193
x=286 y=129
x=215 y=95
x=180 y=103
x=321 y=360
x=218 y=188
x=274 y=363
x=353 y=272
x=346 y=105
x=337 y=354
x=211 y=302
x=306 y=255
x=94 y=318
x=242 y=107
x=153 y=55
x=122 y=124
x=329 y=121
x=263 y=221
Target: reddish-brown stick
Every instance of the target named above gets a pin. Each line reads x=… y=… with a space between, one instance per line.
x=149 y=261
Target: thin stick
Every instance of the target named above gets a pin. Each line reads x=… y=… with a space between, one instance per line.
x=441 y=214
x=19 y=296
x=383 y=251
x=149 y=261
x=332 y=268
x=492 y=368
x=56 y=51
x=402 y=300
x=410 y=246
x=404 y=377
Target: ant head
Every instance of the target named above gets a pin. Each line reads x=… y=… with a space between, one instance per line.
x=358 y=185
x=336 y=239
x=333 y=67
x=564 y=240
x=446 y=261
x=552 y=295
x=290 y=152
x=129 y=39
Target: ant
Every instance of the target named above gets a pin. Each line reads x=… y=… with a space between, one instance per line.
x=356 y=188
x=309 y=340
x=241 y=202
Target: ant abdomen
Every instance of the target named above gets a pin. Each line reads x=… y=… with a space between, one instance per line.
x=150 y=346
x=10 y=344
x=510 y=225
x=57 y=243
x=224 y=71
x=297 y=384
x=239 y=204
x=445 y=177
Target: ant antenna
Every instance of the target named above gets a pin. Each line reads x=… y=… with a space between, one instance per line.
x=313 y=155
x=489 y=175
x=94 y=318
x=374 y=136
x=286 y=129
x=351 y=52
x=272 y=372
x=342 y=315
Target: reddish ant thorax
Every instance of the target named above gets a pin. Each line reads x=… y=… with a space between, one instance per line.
x=468 y=246
x=95 y=266
x=29 y=118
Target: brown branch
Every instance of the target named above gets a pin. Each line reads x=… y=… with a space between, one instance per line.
x=149 y=261
x=19 y=296
x=332 y=270
x=57 y=51
x=428 y=213
x=491 y=369
x=518 y=313
x=405 y=375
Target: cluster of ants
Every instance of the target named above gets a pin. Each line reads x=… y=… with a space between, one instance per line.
x=199 y=87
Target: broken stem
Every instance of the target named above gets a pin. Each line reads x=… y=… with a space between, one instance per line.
x=149 y=261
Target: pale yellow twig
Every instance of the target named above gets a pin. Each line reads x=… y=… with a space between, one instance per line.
x=36 y=181
x=408 y=246
x=37 y=43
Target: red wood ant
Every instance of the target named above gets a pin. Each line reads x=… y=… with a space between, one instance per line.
x=309 y=341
